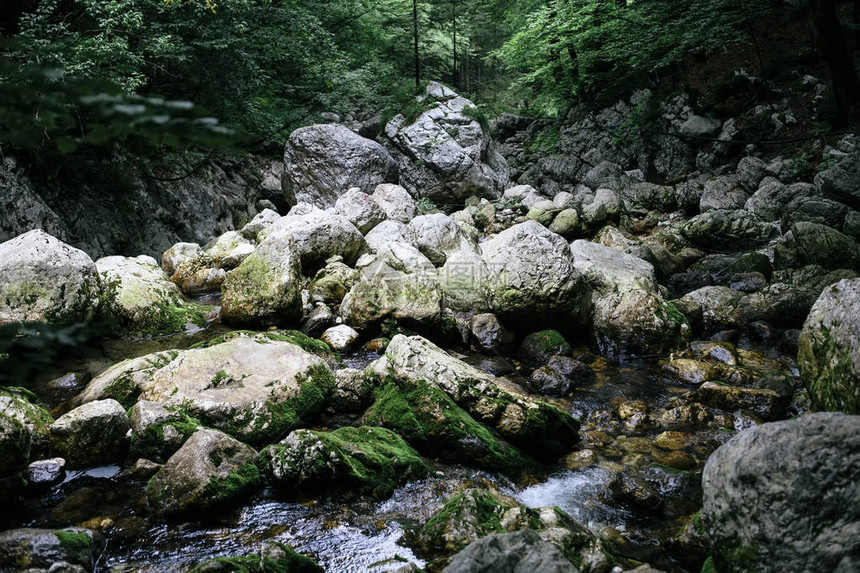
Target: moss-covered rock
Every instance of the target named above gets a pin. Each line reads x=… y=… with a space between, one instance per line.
x=367 y=460
x=23 y=430
x=475 y=513
x=46 y=280
x=413 y=301
x=829 y=349
x=39 y=549
x=256 y=387
x=211 y=469
x=271 y=558
x=332 y=282
x=158 y=432
x=92 y=434
x=540 y=428
x=144 y=300
x=265 y=289
x=431 y=422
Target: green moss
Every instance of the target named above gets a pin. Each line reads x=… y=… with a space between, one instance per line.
x=219 y=379
x=301 y=340
x=123 y=390
x=74 y=542
x=740 y=558
x=315 y=389
x=431 y=422
x=552 y=341
x=237 y=484
x=369 y=460
x=148 y=444
x=480 y=511
x=290 y=562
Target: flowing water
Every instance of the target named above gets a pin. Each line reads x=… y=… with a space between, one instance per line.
x=370 y=536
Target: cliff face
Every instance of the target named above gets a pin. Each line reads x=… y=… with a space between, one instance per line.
x=131 y=206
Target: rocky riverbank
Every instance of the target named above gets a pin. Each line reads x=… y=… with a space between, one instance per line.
x=412 y=314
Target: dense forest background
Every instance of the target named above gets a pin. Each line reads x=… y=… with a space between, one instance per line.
x=244 y=73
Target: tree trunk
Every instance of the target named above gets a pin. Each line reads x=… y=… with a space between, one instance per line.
x=454 y=24
x=834 y=51
x=415 y=36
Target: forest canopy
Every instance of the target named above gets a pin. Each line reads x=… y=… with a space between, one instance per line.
x=189 y=72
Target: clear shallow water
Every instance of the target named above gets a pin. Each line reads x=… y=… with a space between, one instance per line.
x=344 y=537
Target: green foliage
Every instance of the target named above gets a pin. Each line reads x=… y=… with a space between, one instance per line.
x=149 y=443
x=566 y=49
x=425 y=206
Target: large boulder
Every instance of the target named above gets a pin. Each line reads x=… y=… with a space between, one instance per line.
x=412 y=300
x=23 y=430
x=254 y=387
x=211 y=469
x=43 y=279
x=28 y=549
x=321 y=162
x=842 y=181
x=815 y=244
x=545 y=431
x=146 y=301
x=92 y=434
x=438 y=236
x=629 y=316
x=320 y=235
x=517 y=552
x=730 y=229
x=829 y=355
x=446 y=154
x=784 y=497
x=773 y=198
x=432 y=423
x=265 y=290
x=369 y=460
x=396 y=201
x=724 y=192
x=532 y=280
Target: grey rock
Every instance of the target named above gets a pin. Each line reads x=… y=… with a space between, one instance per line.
x=23 y=430
x=339 y=337
x=261 y=222
x=46 y=472
x=45 y=280
x=265 y=289
x=723 y=192
x=729 y=229
x=490 y=334
x=175 y=255
x=322 y=161
x=395 y=201
x=209 y=471
x=842 y=181
x=29 y=549
x=750 y=172
x=318 y=236
x=319 y=319
x=228 y=250
x=92 y=434
x=361 y=210
x=446 y=154
x=829 y=348
x=518 y=552
x=437 y=236
x=332 y=282
x=604 y=174
x=764 y=506
x=699 y=126
x=814 y=244
x=771 y=201
x=532 y=277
